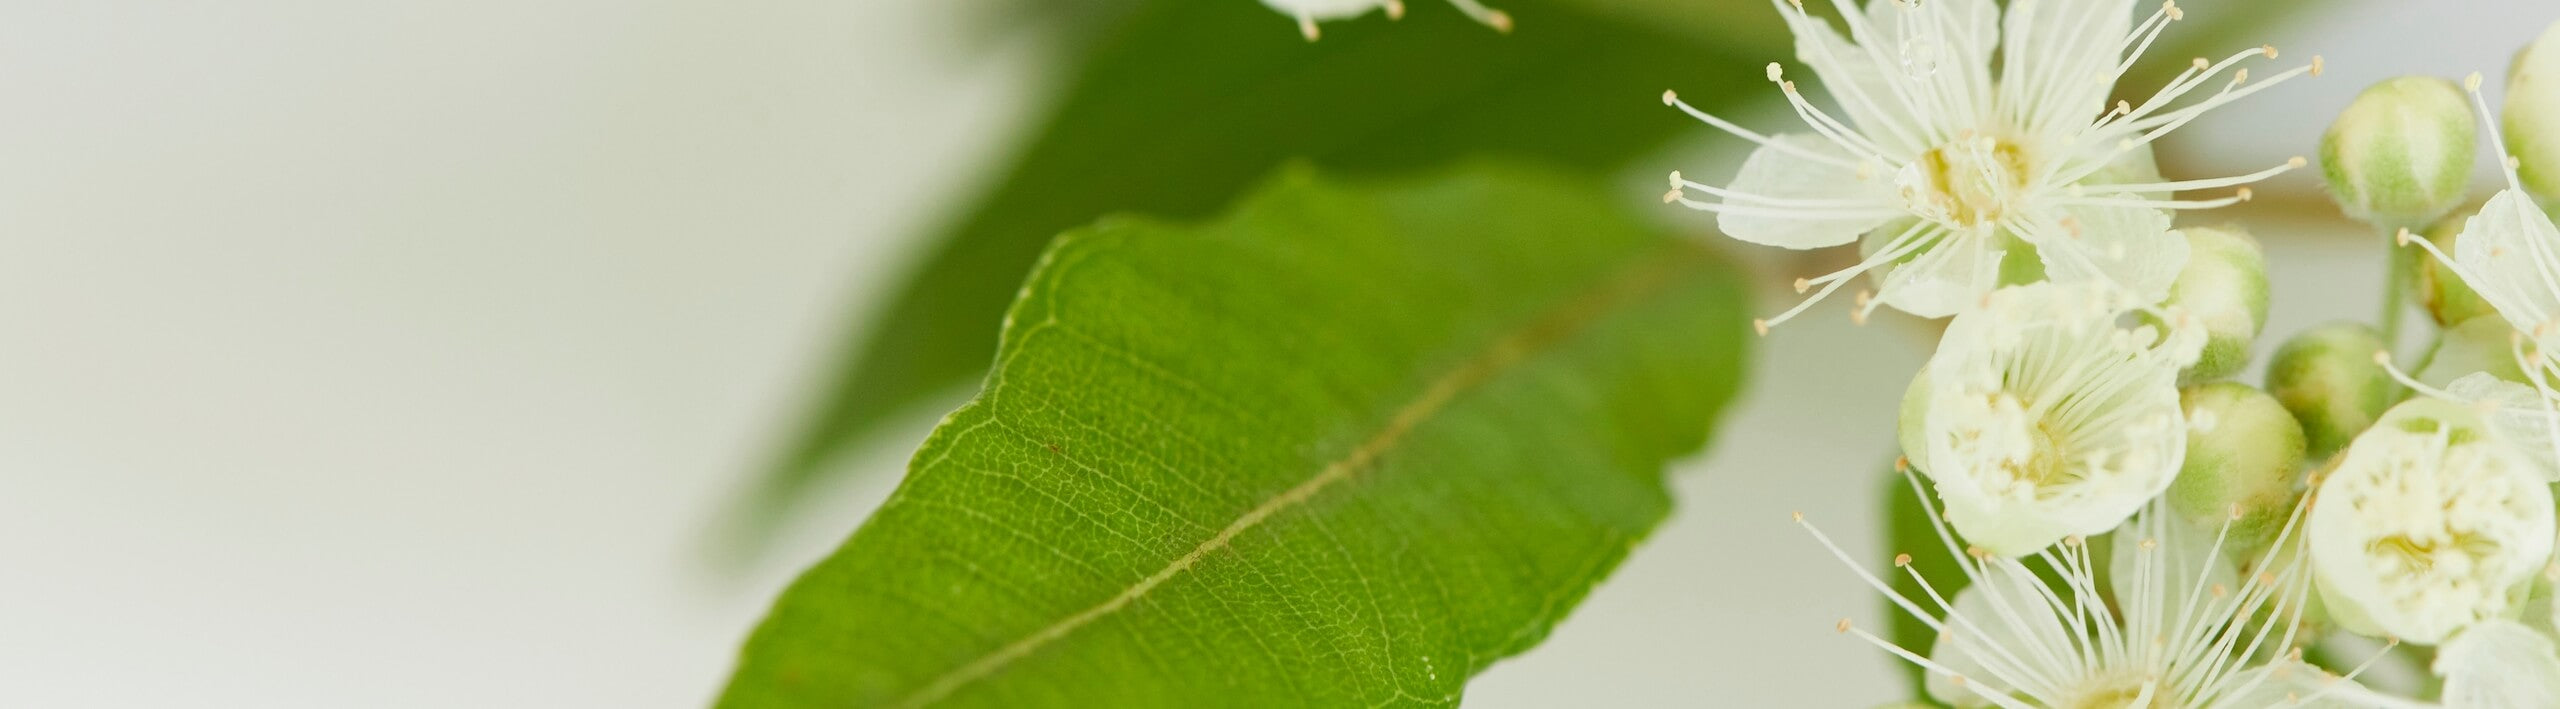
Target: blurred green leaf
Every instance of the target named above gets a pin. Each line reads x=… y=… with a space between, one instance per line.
x=1187 y=102
x=1344 y=446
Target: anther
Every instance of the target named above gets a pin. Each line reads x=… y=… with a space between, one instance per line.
x=1671 y=196
x=2240 y=77
x=1395 y=9
x=1798 y=515
x=1902 y=464
x=1841 y=627
x=1670 y=97
x=2267 y=49
x=1901 y=560
x=1776 y=71
x=2171 y=7
x=2472 y=82
x=1760 y=325
x=1803 y=284
x=2401 y=238
x=2201 y=64
x=1499 y=20
x=2296 y=162
x=1675 y=179
x=2317 y=65
x=2244 y=191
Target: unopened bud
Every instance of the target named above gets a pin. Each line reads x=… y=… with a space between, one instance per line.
x=2244 y=452
x=2481 y=344
x=2532 y=114
x=2223 y=286
x=2444 y=295
x=2328 y=379
x=2400 y=155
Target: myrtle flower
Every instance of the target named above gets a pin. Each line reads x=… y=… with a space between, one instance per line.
x=2428 y=523
x=2183 y=628
x=2509 y=253
x=1952 y=172
x=2047 y=417
x=1309 y=12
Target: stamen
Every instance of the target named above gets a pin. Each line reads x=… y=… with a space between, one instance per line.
x=1672 y=98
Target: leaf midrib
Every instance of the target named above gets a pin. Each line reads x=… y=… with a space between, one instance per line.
x=1650 y=273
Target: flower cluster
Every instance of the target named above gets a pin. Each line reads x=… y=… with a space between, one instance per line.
x=2128 y=526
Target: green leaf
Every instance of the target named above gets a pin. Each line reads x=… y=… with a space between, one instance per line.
x=1344 y=446
x=1189 y=102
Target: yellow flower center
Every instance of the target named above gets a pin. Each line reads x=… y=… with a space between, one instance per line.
x=1966 y=183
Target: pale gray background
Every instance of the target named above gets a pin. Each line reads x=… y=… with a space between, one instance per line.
x=401 y=354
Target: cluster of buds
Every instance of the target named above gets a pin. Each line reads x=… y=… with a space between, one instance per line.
x=2347 y=494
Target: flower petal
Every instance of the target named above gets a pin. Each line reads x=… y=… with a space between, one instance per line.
x=1946 y=278
x=1902 y=52
x=1857 y=85
x=1782 y=171
x=2006 y=613
x=2181 y=551
x=2499 y=663
x=2294 y=684
x=2511 y=253
x=2521 y=416
x=2131 y=247
x=2062 y=53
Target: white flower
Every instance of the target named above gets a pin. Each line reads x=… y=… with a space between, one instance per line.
x=2046 y=417
x=1309 y=12
x=2182 y=630
x=2510 y=254
x=2429 y=523
x=1950 y=171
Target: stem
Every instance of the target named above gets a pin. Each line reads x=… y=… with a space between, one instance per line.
x=2395 y=288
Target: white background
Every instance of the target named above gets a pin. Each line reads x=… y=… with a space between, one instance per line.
x=403 y=354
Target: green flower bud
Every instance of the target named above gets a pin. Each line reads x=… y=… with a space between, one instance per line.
x=2328 y=379
x=2481 y=344
x=2224 y=286
x=2244 y=454
x=2532 y=114
x=2400 y=155
x=2444 y=295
